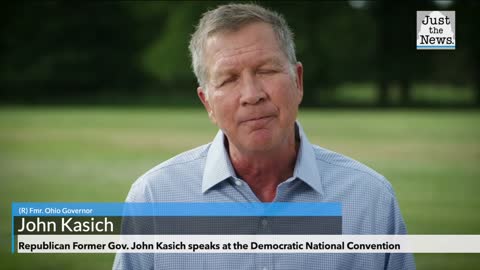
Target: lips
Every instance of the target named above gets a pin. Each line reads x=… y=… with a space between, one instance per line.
x=258 y=118
x=258 y=122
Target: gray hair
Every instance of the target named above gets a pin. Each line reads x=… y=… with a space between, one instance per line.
x=232 y=17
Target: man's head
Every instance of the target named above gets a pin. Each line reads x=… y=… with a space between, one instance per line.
x=250 y=82
x=230 y=18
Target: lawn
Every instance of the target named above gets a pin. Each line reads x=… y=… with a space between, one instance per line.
x=94 y=154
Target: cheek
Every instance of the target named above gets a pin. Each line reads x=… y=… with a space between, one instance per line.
x=287 y=103
x=286 y=94
x=223 y=108
x=294 y=95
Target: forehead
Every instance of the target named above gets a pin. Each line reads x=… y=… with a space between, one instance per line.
x=253 y=43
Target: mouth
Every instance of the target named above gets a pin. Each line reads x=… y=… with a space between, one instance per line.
x=258 y=118
x=258 y=121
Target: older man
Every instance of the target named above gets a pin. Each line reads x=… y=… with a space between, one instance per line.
x=251 y=86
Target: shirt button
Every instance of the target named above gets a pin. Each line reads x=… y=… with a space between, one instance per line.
x=264 y=223
x=238 y=182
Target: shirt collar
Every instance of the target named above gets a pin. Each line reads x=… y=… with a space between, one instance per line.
x=306 y=168
x=218 y=166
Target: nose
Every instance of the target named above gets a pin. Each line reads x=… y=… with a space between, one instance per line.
x=252 y=91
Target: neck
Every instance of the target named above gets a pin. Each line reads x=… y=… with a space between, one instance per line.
x=265 y=171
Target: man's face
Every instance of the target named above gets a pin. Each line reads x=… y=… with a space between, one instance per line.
x=253 y=92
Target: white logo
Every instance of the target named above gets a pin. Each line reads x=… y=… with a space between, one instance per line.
x=436 y=30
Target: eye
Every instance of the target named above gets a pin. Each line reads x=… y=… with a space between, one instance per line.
x=266 y=71
x=228 y=80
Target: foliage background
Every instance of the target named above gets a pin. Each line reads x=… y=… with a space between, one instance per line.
x=136 y=52
x=94 y=94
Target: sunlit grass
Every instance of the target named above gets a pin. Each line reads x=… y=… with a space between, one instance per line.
x=95 y=154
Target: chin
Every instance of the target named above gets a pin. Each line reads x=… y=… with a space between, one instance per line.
x=260 y=141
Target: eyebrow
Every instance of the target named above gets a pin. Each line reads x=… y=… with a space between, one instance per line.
x=262 y=62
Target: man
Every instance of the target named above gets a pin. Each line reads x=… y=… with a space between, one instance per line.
x=251 y=86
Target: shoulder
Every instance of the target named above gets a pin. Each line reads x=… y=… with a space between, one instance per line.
x=187 y=165
x=369 y=204
x=346 y=169
x=181 y=160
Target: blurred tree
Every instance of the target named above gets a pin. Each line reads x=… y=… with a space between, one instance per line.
x=398 y=61
x=334 y=43
x=166 y=58
x=85 y=52
x=395 y=23
x=469 y=28
x=55 y=50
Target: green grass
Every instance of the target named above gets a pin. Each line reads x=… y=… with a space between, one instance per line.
x=367 y=93
x=94 y=154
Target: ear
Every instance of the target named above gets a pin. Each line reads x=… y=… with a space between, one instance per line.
x=203 y=98
x=299 y=80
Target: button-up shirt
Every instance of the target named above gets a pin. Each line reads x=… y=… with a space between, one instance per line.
x=206 y=174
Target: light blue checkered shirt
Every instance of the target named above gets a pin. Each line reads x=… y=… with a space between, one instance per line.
x=205 y=174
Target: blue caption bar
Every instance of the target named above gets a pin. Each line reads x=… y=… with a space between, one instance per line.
x=175 y=209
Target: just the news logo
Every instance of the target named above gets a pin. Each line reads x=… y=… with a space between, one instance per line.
x=436 y=30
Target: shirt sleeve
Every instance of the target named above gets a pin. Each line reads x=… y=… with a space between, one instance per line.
x=397 y=261
x=135 y=261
